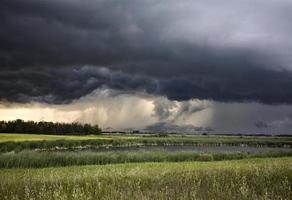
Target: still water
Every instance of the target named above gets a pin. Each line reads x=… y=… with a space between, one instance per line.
x=173 y=148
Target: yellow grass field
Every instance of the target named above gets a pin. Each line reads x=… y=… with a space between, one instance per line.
x=266 y=178
x=11 y=137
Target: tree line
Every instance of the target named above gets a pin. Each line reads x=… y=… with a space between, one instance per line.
x=51 y=128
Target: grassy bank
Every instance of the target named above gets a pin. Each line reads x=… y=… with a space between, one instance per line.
x=18 y=137
x=246 y=179
x=31 y=159
x=19 y=142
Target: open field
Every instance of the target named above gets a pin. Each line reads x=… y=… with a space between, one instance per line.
x=15 y=137
x=121 y=166
x=19 y=142
x=31 y=159
x=246 y=179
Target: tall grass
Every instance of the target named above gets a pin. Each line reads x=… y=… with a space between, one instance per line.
x=246 y=179
x=31 y=159
x=145 y=141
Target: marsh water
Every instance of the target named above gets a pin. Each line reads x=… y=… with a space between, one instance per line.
x=173 y=148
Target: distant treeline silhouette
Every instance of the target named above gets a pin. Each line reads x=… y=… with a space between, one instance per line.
x=51 y=128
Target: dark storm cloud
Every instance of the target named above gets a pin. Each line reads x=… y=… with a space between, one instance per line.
x=261 y=124
x=65 y=84
x=163 y=127
x=284 y=122
x=232 y=51
x=171 y=111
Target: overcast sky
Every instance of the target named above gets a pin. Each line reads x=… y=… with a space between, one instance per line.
x=157 y=64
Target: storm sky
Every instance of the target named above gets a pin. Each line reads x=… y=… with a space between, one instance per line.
x=222 y=66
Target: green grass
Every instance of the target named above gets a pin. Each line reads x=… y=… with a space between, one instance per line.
x=245 y=179
x=15 y=137
x=30 y=159
x=19 y=142
x=143 y=174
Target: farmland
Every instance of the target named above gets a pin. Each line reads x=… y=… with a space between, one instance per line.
x=144 y=166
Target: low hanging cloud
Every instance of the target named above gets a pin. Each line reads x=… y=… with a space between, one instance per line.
x=262 y=124
x=164 y=127
x=178 y=111
x=107 y=108
x=232 y=51
x=112 y=110
x=66 y=84
x=116 y=110
x=285 y=122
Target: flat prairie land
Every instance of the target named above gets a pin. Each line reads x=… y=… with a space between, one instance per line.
x=16 y=137
x=20 y=137
x=144 y=166
x=265 y=178
x=20 y=142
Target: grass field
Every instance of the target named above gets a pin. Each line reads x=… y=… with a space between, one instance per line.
x=31 y=159
x=15 y=137
x=49 y=167
x=246 y=179
x=19 y=142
